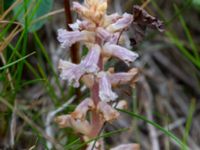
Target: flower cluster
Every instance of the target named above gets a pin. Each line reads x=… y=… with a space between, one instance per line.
x=104 y=36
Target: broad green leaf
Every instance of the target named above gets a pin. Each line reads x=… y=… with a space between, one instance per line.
x=33 y=9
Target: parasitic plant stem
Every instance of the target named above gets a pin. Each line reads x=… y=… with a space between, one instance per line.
x=74 y=50
x=69 y=19
x=104 y=37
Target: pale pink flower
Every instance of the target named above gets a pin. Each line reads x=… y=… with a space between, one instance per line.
x=108 y=37
x=82 y=109
x=73 y=72
x=121 y=23
x=70 y=72
x=81 y=126
x=103 y=34
x=80 y=9
x=120 y=52
x=108 y=113
x=75 y=26
x=105 y=91
x=91 y=60
x=67 y=38
x=110 y=19
x=83 y=25
x=123 y=77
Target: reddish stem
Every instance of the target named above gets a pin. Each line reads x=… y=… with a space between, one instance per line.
x=96 y=121
x=74 y=49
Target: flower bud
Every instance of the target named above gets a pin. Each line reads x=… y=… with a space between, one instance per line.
x=121 y=23
x=107 y=111
x=82 y=109
x=81 y=126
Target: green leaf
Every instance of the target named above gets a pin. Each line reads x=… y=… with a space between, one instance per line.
x=15 y=62
x=196 y=4
x=166 y=132
x=33 y=9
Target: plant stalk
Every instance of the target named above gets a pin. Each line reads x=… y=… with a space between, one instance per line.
x=74 y=50
x=96 y=121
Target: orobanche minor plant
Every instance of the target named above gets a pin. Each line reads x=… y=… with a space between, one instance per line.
x=104 y=36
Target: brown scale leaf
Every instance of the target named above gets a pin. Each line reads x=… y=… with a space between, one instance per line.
x=142 y=20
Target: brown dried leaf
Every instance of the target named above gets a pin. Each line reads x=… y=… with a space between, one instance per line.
x=141 y=21
x=142 y=18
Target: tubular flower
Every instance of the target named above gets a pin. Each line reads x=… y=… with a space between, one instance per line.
x=73 y=72
x=67 y=38
x=110 y=19
x=105 y=92
x=120 y=52
x=121 y=23
x=124 y=77
x=107 y=37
